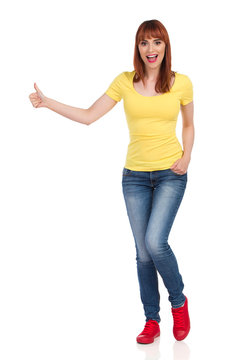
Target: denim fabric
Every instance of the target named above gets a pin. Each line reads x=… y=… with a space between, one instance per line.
x=152 y=200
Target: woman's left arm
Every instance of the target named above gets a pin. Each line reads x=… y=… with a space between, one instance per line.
x=187 y=129
x=180 y=166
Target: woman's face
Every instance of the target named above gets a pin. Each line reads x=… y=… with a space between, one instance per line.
x=153 y=46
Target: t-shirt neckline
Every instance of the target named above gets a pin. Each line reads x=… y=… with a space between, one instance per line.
x=151 y=96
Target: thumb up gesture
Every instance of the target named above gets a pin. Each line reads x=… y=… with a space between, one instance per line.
x=37 y=99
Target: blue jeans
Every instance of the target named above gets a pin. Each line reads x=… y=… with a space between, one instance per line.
x=152 y=200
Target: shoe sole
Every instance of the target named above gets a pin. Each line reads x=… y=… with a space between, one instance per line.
x=147 y=341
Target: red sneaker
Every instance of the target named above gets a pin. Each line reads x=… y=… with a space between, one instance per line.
x=149 y=333
x=181 y=320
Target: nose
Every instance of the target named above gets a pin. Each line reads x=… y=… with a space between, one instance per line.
x=150 y=48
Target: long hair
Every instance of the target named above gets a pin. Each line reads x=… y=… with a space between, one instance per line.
x=148 y=29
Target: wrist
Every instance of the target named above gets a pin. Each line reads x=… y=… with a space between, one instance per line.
x=46 y=101
x=187 y=156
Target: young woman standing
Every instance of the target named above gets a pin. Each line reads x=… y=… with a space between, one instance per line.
x=154 y=176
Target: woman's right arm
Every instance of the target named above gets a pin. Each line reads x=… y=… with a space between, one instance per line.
x=85 y=116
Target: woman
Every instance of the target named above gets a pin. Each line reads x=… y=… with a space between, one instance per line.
x=154 y=177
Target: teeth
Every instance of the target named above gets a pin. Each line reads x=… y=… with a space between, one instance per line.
x=152 y=56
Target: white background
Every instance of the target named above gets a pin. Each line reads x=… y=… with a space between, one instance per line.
x=68 y=280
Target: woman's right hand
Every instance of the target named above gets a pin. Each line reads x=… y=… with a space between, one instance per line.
x=38 y=99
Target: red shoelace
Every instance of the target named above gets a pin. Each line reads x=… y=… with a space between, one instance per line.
x=150 y=324
x=178 y=316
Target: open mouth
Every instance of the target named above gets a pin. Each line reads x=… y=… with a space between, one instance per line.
x=152 y=58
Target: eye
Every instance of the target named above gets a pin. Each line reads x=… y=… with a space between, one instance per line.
x=144 y=42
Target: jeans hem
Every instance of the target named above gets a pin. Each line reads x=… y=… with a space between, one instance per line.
x=177 y=306
x=154 y=319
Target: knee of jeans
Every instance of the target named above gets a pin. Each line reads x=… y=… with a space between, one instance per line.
x=157 y=248
x=144 y=263
x=144 y=259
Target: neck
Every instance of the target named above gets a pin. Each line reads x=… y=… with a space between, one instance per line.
x=151 y=74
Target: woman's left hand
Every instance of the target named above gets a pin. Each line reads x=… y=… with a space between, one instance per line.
x=181 y=165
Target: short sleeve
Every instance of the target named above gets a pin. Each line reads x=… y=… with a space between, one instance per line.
x=187 y=91
x=115 y=88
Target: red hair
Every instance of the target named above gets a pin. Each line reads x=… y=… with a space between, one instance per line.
x=155 y=29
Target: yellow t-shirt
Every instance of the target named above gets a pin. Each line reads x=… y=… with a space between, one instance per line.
x=151 y=121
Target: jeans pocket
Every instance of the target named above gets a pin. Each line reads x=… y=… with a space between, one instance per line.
x=126 y=172
x=177 y=173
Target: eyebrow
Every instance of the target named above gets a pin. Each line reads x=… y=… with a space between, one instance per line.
x=154 y=39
